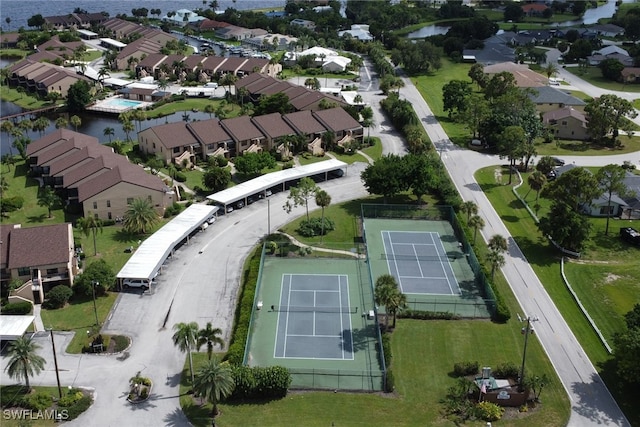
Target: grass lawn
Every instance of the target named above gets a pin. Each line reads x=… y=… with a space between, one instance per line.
x=594 y=76
x=79 y=316
x=189 y=104
x=308 y=158
x=375 y=150
x=430 y=87
x=603 y=278
x=19 y=392
x=22 y=99
x=194 y=177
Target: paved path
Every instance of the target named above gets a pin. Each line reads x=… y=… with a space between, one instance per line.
x=591 y=402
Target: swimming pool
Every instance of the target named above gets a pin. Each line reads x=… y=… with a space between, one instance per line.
x=122 y=103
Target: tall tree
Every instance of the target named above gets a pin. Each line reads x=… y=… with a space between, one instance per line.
x=576 y=187
x=108 y=131
x=551 y=69
x=510 y=146
x=536 y=181
x=209 y=336
x=470 y=208
x=90 y=224
x=476 y=222
x=40 y=125
x=300 y=195
x=76 y=122
x=495 y=260
x=216 y=178
x=455 y=95
x=323 y=199
x=477 y=75
x=78 y=96
x=127 y=128
x=185 y=338
x=605 y=116
x=61 y=122
x=386 y=176
x=611 y=181
x=383 y=292
x=140 y=216
x=48 y=198
x=396 y=302
x=214 y=381
x=565 y=226
x=24 y=361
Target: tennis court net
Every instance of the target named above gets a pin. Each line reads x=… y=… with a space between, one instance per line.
x=320 y=309
x=433 y=258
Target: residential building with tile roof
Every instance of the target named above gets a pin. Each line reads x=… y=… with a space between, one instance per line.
x=43 y=254
x=91 y=177
x=566 y=123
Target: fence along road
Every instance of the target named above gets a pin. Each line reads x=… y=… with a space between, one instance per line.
x=591 y=402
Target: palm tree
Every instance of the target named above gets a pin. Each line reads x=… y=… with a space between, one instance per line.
x=102 y=74
x=185 y=338
x=139 y=217
x=496 y=260
x=8 y=21
x=139 y=116
x=476 y=223
x=48 y=198
x=75 y=122
x=8 y=128
x=117 y=145
x=24 y=361
x=61 y=122
x=396 y=301
x=323 y=199
x=128 y=127
x=383 y=291
x=108 y=131
x=214 y=382
x=357 y=99
x=470 y=208
x=551 y=70
x=209 y=336
x=242 y=93
x=228 y=79
x=90 y=224
x=40 y=125
x=497 y=243
x=536 y=182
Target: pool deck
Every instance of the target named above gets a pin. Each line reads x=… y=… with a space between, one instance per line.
x=104 y=105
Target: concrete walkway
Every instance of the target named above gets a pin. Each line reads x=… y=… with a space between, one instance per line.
x=37 y=322
x=319 y=249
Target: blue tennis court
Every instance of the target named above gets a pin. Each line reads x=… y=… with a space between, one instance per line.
x=314 y=317
x=419 y=263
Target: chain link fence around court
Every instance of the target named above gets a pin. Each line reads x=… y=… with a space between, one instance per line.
x=336 y=379
x=484 y=307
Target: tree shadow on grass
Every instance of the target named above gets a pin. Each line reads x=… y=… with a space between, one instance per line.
x=178 y=418
x=37 y=219
x=537 y=251
x=122 y=236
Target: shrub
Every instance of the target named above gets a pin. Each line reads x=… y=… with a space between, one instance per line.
x=58 y=297
x=11 y=204
x=260 y=383
x=242 y=315
x=386 y=349
x=427 y=315
x=17 y=308
x=180 y=177
x=390 y=383
x=108 y=222
x=70 y=399
x=462 y=369
x=144 y=393
x=37 y=402
x=506 y=370
x=79 y=407
x=489 y=411
x=313 y=227
x=122 y=342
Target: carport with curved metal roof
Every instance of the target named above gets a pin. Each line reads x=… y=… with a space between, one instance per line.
x=148 y=258
x=261 y=184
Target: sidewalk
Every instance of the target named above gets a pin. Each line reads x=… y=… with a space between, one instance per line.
x=37 y=322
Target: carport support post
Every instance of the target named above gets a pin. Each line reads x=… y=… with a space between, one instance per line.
x=55 y=362
x=268 y=217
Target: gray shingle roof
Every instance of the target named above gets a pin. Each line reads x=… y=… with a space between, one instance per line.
x=550 y=95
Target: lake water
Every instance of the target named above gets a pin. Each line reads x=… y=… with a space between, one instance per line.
x=591 y=16
x=21 y=10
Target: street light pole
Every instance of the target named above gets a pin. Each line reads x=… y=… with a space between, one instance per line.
x=55 y=362
x=526 y=331
x=95 y=309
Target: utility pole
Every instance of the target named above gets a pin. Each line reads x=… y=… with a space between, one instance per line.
x=95 y=309
x=55 y=362
x=526 y=331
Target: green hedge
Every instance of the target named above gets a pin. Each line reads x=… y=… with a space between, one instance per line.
x=462 y=369
x=242 y=316
x=17 y=308
x=259 y=383
x=427 y=315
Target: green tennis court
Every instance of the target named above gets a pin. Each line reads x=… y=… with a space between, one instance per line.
x=314 y=316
